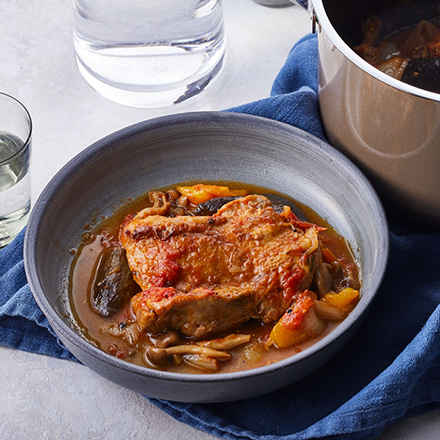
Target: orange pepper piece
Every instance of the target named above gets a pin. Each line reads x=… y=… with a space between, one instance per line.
x=201 y=193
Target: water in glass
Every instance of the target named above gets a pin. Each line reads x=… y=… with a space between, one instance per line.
x=149 y=53
x=14 y=186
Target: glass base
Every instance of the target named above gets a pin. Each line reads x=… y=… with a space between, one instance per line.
x=151 y=98
x=12 y=224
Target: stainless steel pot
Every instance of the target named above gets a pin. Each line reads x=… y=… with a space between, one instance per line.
x=389 y=128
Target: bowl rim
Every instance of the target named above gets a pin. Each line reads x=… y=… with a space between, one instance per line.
x=61 y=327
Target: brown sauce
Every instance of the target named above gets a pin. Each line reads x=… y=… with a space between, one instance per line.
x=94 y=328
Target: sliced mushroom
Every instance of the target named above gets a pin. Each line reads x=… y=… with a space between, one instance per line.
x=168 y=338
x=322 y=277
x=202 y=362
x=159 y=356
x=227 y=343
x=350 y=277
x=173 y=194
x=160 y=205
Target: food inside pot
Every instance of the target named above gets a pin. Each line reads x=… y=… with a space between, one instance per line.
x=410 y=54
x=205 y=278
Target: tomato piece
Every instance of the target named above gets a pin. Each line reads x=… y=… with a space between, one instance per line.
x=298 y=323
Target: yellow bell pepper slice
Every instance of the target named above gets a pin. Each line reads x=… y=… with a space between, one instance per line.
x=201 y=193
x=341 y=300
x=285 y=337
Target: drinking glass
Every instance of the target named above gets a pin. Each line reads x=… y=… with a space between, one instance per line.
x=151 y=53
x=15 y=148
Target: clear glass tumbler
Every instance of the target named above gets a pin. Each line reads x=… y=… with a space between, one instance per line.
x=150 y=53
x=15 y=148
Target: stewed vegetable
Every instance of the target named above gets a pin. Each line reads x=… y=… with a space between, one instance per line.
x=410 y=54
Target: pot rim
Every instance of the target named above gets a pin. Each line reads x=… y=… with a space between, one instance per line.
x=323 y=21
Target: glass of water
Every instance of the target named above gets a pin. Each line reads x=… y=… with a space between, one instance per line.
x=150 y=53
x=15 y=146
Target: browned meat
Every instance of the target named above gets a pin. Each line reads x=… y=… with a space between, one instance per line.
x=201 y=275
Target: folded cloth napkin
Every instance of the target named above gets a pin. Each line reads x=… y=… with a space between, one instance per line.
x=391 y=368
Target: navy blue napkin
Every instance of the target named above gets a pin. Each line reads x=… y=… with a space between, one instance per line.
x=391 y=368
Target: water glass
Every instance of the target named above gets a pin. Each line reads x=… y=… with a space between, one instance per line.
x=15 y=148
x=151 y=53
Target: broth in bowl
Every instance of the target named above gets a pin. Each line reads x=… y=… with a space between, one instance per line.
x=211 y=278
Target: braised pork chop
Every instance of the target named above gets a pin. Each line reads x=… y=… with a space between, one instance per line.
x=201 y=275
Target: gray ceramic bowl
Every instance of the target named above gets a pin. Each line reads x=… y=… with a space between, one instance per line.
x=202 y=146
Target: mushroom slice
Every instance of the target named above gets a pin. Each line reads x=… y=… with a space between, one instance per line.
x=202 y=362
x=171 y=337
x=160 y=205
x=159 y=356
x=197 y=349
x=226 y=343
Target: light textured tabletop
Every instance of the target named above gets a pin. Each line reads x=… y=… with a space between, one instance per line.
x=46 y=398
